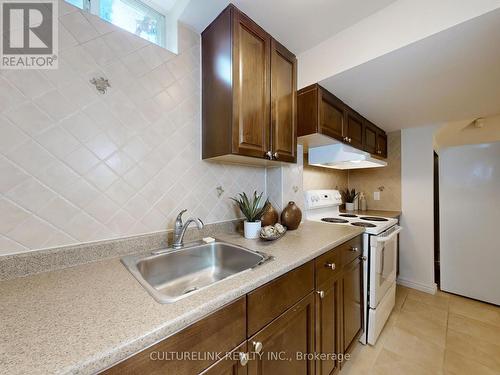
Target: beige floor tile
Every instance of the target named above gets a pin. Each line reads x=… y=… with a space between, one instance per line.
x=401 y=294
x=439 y=300
x=474 y=348
x=474 y=328
x=437 y=315
x=415 y=348
x=420 y=325
x=476 y=310
x=456 y=364
x=390 y=363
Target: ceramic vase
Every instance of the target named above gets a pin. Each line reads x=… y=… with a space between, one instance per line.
x=270 y=216
x=291 y=216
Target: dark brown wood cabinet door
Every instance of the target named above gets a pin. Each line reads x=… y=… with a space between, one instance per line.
x=329 y=325
x=354 y=132
x=251 y=87
x=331 y=115
x=370 y=138
x=282 y=339
x=352 y=301
x=283 y=103
x=232 y=364
x=382 y=144
x=307 y=110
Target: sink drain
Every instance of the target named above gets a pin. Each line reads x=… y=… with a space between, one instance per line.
x=190 y=290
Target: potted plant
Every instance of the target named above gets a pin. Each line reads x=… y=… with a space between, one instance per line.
x=349 y=197
x=253 y=211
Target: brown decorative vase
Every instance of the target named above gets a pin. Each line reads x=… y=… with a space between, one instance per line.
x=270 y=216
x=291 y=216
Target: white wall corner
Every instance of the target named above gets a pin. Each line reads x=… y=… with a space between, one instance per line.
x=427 y=288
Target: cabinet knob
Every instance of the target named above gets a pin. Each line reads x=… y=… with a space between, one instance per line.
x=244 y=357
x=276 y=155
x=330 y=265
x=321 y=293
x=349 y=140
x=257 y=347
x=354 y=248
x=362 y=257
x=269 y=155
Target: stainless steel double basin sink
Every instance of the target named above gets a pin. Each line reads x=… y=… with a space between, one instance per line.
x=170 y=275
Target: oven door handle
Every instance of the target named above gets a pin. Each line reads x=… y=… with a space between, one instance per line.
x=391 y=235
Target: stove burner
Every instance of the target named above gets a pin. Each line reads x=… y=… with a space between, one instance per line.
x=364 y=225
x=348 y=215
x=334 y=220
x=374 y=218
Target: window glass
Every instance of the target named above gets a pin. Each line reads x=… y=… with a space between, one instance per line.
x=131 y=15
x=136 y=17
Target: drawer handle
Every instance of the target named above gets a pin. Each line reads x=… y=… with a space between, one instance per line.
x=257 y=347
x=330 y=265
x=244 y=357
x=321 y=293
x=354 y=248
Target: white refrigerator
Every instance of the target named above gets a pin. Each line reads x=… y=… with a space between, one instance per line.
x=469 y=208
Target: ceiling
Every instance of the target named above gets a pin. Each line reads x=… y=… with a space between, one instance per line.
x=450 y=76
x=297 y=24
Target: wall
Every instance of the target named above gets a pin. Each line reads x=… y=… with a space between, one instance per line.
x=78 y=166
x=417 y=238
x=466 y=133
x=324 y=178
x=395 y=26
x=387 y=178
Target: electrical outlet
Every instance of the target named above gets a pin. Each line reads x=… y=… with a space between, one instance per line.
x=376 y=195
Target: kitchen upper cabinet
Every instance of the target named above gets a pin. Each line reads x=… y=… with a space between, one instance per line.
x=251 y=75
x=283 y=103
x=278 y=343
x=248 y=92
x=320 y=114
x=352 y=303
x=329 y=324
x=354 y=132
x=370 y=138
x=381 y=144
x=318 y=111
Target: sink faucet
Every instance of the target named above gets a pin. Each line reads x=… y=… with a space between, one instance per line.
x=180 y=229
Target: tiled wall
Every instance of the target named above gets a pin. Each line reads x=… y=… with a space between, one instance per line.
x=388 y=178
x=78 y=166
x=323 y=178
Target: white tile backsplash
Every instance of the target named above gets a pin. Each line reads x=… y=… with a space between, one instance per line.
x=79 y=166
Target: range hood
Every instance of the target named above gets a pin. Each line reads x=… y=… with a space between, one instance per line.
x=342 y=156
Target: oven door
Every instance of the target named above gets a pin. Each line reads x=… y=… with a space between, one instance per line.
x=383 y=260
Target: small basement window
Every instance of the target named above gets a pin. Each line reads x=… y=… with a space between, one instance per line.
x=131 y=15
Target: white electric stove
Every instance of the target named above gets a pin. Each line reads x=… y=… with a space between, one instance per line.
x=379 y=255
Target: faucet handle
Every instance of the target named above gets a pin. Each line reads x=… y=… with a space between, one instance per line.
x=178 y=220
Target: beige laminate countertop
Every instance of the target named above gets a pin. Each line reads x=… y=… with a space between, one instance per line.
x=84 y=319
x=389 y=214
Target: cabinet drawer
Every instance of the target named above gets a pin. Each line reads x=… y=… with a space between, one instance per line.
x=351 y=250
x=219 y=332
x=270 y=300
x=328 y=265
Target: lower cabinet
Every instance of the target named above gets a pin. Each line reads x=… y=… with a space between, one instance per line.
x=298 y=324
x=286 y=346
x=235 y=363
x=329 y=325
x=352 y=303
